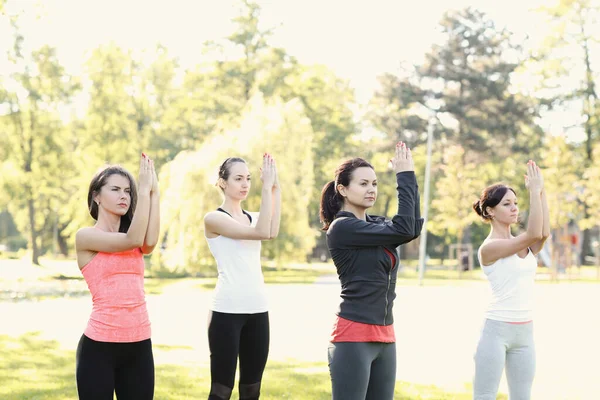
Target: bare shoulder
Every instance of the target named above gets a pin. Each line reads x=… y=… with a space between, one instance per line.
x=214 y=216
x=83 y=233
x=84 y=256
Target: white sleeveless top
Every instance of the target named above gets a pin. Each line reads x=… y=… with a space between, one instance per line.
x=240 y=286
x=512 y=281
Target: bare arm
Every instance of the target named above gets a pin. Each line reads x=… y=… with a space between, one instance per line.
x=276 y=207
x=539 y=245
x=153 y=229
x=501 y=248
x=92 y=239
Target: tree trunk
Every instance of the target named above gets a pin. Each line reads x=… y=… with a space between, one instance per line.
x=63 y=247
x=589 y=110
x=34 y=245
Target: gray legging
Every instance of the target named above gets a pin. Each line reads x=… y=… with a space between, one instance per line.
x=501 y=344
x=362 y=370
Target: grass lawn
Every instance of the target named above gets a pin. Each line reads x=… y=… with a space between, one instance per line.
x=36 y=369
x=278 y=276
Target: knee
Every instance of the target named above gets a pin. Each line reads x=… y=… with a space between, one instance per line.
x=250 y=392
x=219 y=392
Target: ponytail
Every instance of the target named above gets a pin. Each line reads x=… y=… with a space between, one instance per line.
x=330 y=204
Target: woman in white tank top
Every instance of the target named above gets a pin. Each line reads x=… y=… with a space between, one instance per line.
x=239 y=320
x=509 y=264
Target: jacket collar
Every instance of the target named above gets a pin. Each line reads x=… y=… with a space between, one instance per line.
x=348 y=214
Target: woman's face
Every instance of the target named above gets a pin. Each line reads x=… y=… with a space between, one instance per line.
x=362 y=190
x=115 y=195
x=507 y=211
x=237 y=185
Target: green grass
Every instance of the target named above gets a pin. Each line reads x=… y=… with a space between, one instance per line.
x=36 y=369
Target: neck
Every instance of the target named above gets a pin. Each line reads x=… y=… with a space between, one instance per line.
x=108 y=222
x=500 y=230
x=233 y=207
x=359 y=212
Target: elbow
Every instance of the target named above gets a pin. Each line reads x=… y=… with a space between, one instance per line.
x=151 y=242
x=136 y=242
x=535 y=236
x=264 y=235
x=146 y=249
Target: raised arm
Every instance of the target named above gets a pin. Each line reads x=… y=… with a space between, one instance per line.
x=501 y=248
x=418 y=220
x=539 y=245
x=92 y=239
x=154 y=217
x=276 y=205
x=221 y=224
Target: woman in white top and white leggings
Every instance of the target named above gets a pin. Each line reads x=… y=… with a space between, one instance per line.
x=239 y=320
x=509 y=264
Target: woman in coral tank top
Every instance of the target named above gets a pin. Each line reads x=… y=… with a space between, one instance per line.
x=114 y=354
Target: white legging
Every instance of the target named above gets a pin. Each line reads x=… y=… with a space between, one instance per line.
x=504 y=344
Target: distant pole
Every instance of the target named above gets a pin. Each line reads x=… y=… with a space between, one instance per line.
x=423 y=243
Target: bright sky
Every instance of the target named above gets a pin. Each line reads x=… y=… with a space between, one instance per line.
x=359 y=40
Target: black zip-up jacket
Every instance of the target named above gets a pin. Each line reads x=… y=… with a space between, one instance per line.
x=365 y=270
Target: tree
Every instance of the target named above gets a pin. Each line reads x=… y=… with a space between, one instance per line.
x=567 y=57
x=590 y=195
x=560 y=165
x=188 y=184
x=467 y=82
x=34 y=134
x=456 y=189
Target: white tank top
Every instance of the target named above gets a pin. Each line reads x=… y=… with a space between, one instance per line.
x=512 y=281
x=240 y=286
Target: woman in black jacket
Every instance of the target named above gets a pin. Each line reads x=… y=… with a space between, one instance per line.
x=362 y=352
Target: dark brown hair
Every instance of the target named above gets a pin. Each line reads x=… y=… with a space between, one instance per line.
x=490 y=197
x=331 y=200
x=99 y=180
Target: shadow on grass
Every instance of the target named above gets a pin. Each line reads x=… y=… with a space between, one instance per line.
x=37 y=369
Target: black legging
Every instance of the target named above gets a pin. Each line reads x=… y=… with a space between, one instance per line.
x=104 y=368
x=230 y=335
